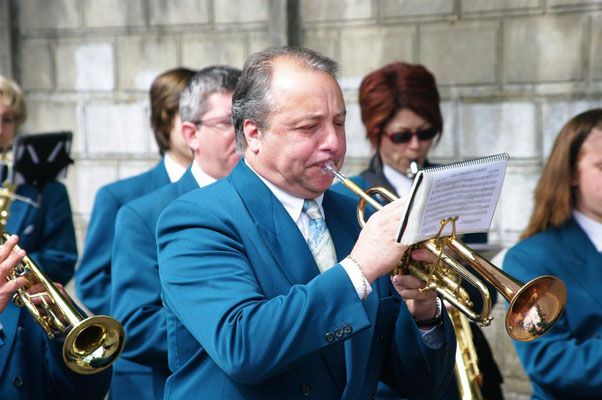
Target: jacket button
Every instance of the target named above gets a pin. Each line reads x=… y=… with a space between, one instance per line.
x=382 y=339
x=347 y=329
x=338 y=333
x=305 y=389
x=17 y=381
x=329 y=337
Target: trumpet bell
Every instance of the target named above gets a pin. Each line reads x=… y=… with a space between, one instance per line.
x=93 y=345
x=535 y=308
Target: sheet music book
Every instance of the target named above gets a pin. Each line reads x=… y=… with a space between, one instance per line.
x=468 y=189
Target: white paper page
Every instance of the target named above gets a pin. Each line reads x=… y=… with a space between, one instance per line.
x=469 y=192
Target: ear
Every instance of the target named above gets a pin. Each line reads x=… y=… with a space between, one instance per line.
x=190 y=135
x=252 y=136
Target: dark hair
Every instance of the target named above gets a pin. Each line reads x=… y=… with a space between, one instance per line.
x=252 y=97
x=164 y=99
x=216 y=78
x=554 y=194
x=393 y=87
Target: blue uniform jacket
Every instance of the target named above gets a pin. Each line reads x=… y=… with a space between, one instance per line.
x=136 y=299
x=31 y=365
x=93 y=276
x=249 y=316
x=566 y=361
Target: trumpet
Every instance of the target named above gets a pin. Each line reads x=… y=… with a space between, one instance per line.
x=533 y=308
x=91 y=344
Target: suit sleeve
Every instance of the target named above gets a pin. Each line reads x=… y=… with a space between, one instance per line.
x=136 y=299
x=56 y=250
x=93 y=276
x=559 y=361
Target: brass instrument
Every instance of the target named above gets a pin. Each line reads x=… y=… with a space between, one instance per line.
x=468 y=375
x=533 y=307
x=91 y=344
x=412 y=169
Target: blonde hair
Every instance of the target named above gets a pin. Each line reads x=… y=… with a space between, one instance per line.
x=11 y=95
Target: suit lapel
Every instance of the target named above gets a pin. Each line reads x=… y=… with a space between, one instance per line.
x=187 y=183
x=585 y=263
x=277 y=229
x=19 y=209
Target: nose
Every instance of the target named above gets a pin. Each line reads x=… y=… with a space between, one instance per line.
x=333 y=139
x=414 y=142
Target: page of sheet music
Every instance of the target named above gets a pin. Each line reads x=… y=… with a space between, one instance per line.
x=470 y=192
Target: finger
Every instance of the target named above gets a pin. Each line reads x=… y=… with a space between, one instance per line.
x=423 y=255
x=8 y=264
x=7 y=247
x=407 y=281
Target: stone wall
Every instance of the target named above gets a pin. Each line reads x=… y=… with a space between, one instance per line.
x=510 y=73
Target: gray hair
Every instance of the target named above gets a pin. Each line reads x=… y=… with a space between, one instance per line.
x=252 y=96
x=216 y=78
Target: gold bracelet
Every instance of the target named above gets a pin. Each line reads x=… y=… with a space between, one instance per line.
x=364 y=281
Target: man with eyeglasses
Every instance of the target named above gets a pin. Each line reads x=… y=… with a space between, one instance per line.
x=205 y=112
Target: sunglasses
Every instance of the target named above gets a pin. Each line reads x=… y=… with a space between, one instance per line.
x=405 y=136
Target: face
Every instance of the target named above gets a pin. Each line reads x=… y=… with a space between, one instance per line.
x=307 y=129
x=8 y=124
x=214 y=145
x=588 y=182
x=178 y=148
x=400 y=155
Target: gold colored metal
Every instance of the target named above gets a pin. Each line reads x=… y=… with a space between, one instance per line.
x=467 y=372
x=91 y=344
x=533 y=307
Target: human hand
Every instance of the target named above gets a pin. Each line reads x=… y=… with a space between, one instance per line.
x=376 y=249
x=9 y=259
x=423 y=305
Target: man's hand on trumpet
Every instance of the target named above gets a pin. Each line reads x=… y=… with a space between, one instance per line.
x=377 y=251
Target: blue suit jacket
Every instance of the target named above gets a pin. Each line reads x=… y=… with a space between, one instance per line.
x=93 y=276
x=249 y=316
x=31 y=365
x=565 y=362
x=136 y=299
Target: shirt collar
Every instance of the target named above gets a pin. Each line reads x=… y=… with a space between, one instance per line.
x=592 y=228
x=401 y=183
x=201 y=177
x=292 y=204
x=173 y=168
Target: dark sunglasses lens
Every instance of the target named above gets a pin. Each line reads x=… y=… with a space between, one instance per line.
x=427 y=134
x=400 y=137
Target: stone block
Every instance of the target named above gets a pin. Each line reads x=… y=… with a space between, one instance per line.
x=556 y=114
x=49 y=14
x=176 y=12
x=357 y=144
x=498 y=127
x=112 y=13
x=596 y=57
x=258 y=40
x=202 y=50
x=130 y=168
x=365 y=49
x=84 y=178
x=495 y=6
x=555 y=50
x=463 y=53
x=116 y=128
x=516 y=201
x=324 y=40
x=37 y=68
x=577 y=4
x=414 y=8
x=85 y=65
x=140 y=59
x=336 y=10
x=51 y=114
x=446 y=148
x=240 y=11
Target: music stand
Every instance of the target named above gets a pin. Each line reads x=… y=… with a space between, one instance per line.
x=39 y=159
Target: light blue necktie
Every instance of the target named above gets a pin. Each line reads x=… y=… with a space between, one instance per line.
x=319 y=240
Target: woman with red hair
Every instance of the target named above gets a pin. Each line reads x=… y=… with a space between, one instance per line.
x=400 y=109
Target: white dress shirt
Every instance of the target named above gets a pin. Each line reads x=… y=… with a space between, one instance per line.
x=592 y=228
x=173 y=168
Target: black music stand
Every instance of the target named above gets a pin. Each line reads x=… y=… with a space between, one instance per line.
x=40 y=158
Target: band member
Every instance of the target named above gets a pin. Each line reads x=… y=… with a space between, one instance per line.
x=400 y=108
x=31 y=365
x=205 y=111
x=270 y=288
x=564 y=238
x=93 y=276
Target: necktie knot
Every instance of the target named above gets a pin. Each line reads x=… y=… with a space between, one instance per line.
x=311 y=208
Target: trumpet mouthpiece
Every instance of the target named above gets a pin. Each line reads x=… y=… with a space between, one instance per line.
x=328 y=168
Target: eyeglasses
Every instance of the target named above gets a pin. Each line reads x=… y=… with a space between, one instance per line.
x=406 y=136
x=219 y=123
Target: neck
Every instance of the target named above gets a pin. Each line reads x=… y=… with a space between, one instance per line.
x=179 y=158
